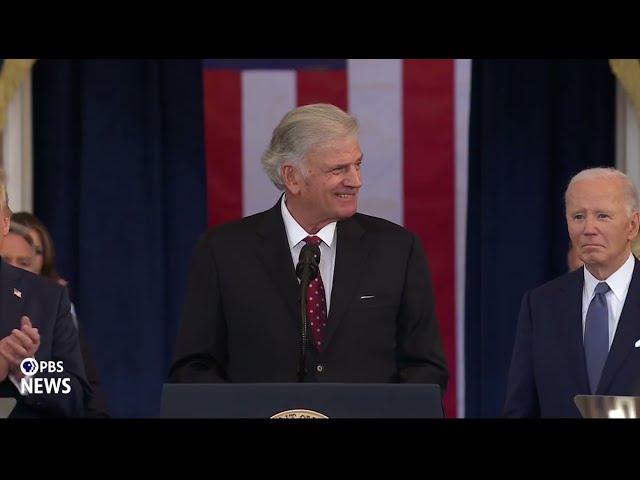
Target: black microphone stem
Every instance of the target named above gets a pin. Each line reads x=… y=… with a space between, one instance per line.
x=304 y=285
x=306 y=270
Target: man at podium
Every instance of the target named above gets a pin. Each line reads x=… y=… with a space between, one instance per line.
x=580 y=333
x=369 y=309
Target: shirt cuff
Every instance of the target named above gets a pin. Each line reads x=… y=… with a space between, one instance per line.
x=16 y=382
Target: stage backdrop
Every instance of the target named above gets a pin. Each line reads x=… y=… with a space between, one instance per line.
x=119 y=178
x=414 y=117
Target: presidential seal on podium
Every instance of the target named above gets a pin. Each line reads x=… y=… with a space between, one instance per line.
x=299 y=413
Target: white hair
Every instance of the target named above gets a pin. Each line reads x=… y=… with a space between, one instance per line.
x=301 y=129
x=4 y=196
x=607 y=173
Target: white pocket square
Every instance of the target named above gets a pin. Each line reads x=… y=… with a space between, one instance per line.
x=638 y=343
x=364 y=297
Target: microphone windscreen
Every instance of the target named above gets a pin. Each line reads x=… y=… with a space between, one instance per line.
x=309 y=249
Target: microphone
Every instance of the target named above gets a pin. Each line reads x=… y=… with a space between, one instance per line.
x=306 y=270
x=309 y=258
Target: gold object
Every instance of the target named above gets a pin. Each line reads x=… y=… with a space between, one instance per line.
x=299 y=413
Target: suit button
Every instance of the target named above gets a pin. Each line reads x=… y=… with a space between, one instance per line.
x=320 y=368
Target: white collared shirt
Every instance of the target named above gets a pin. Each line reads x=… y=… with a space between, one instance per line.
x=619 y=283
x=296 y=235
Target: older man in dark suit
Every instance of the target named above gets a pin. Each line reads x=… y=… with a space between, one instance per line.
x=580 y=333
x=35 y=322
x=371 y=310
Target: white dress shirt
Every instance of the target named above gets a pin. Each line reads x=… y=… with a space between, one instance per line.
x=296 y=235
x=619 y=284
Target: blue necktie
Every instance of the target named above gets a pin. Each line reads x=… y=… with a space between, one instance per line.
x=596 y=335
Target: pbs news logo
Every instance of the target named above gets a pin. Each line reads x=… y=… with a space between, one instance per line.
x=39 y=385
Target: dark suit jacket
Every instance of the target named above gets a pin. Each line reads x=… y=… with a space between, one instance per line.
x=241 y=321
x=548 y=367
x=47 y=306
x=97 y=407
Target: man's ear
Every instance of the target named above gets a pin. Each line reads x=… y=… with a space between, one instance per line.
x=6 y=222
x=634 y=225
x=291 y=178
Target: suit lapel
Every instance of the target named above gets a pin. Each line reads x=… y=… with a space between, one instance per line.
x=627 y=332
x=10 y=299
x=571 y=295
x=352 y=251
x=272 y=249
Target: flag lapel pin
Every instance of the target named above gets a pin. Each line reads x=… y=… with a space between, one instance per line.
x=17 y=293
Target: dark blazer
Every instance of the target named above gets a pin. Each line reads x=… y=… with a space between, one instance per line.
x=98 y=406
x=548 y=368
x=47 y=306
x=241 y=320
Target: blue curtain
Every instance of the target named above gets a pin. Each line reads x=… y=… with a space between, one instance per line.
x=119 y=179
x=533 y=125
